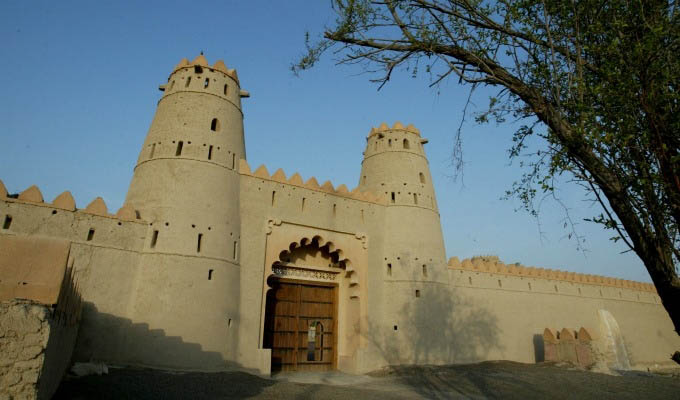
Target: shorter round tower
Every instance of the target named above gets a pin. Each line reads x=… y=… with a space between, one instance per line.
x=412 y=266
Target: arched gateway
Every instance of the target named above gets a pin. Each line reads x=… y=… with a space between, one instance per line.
x=302 y=304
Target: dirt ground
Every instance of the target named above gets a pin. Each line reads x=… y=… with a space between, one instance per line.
x=487 y=380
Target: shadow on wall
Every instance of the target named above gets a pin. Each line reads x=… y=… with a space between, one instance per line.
x=439 y=327
x=110 y=339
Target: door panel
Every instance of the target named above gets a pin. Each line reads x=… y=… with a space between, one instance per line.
x=299 y=326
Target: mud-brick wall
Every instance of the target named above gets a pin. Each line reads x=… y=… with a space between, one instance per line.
x=35 y=350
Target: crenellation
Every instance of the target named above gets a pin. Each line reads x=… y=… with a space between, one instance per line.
x=32 y=195
x=484 y=264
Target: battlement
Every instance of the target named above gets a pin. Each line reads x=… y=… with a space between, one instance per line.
x=312 y=183
x=65 y=201
x=495 y=266
x=202 y=62
x=397 y=126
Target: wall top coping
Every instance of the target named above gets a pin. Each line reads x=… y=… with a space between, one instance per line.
x=312 y=184
x=493 y=265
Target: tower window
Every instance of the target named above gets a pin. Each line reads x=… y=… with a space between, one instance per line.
x=415 y=198
x=90 y=235
x=215 y=125
x=179 y=148
x=334 y=209
x=225 y=89
x=424 y=270
x=393 y=197
x=500 y=284
x=198 y=244
x=389 y=269
x=303 y=204
x=210 y=152
x=186 y=84
x=206 y=83
x=364 y=179
x=153 y=149
x=273 y=198
x=8 y=222
x=417 y=292
x=389 y=142
x=233 y=160
x=210 y=272
x=422 y=177
x=406 y=144
x=198 y=69
x=154 y=239
x=235 y=249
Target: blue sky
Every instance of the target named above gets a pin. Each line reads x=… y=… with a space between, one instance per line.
x=79 y=89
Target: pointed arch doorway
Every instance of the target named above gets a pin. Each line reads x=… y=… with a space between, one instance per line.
x=301 y=325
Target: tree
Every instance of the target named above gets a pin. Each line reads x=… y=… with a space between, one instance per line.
x=597 y=80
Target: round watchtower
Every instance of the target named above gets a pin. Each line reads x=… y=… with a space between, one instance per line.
x=395 y=166
x=413 y=269
x=186 y=184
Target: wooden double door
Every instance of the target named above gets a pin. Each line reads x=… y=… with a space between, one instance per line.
x=300 y=325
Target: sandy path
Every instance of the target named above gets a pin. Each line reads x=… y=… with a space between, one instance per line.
x=492 y=380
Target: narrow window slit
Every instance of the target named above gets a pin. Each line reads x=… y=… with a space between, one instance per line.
x=198 y=244
x=178 y=152
x=90 y=234
x=153 y=150
x=206 y=83
x=225 y=89
x=210 y=152
x=417 y=292
x=273 y=198
x=154 y=239
x=210 y=273
x=235 y=249
x=215 y=125
x=8 y=222
x=393 y=197
x=415 y=198
x=389 y=269
x=186 y=84
x=424 y=270
x=303 y=204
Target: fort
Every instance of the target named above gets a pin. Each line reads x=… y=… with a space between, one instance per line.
x=213 y=265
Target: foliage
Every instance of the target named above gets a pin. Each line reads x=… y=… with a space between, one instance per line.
x=597 y=81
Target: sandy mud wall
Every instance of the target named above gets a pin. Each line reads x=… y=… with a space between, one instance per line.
x=628 y=325
x=104 y=254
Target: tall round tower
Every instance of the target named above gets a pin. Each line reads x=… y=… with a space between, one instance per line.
x=413 y=263
x=186 y=184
